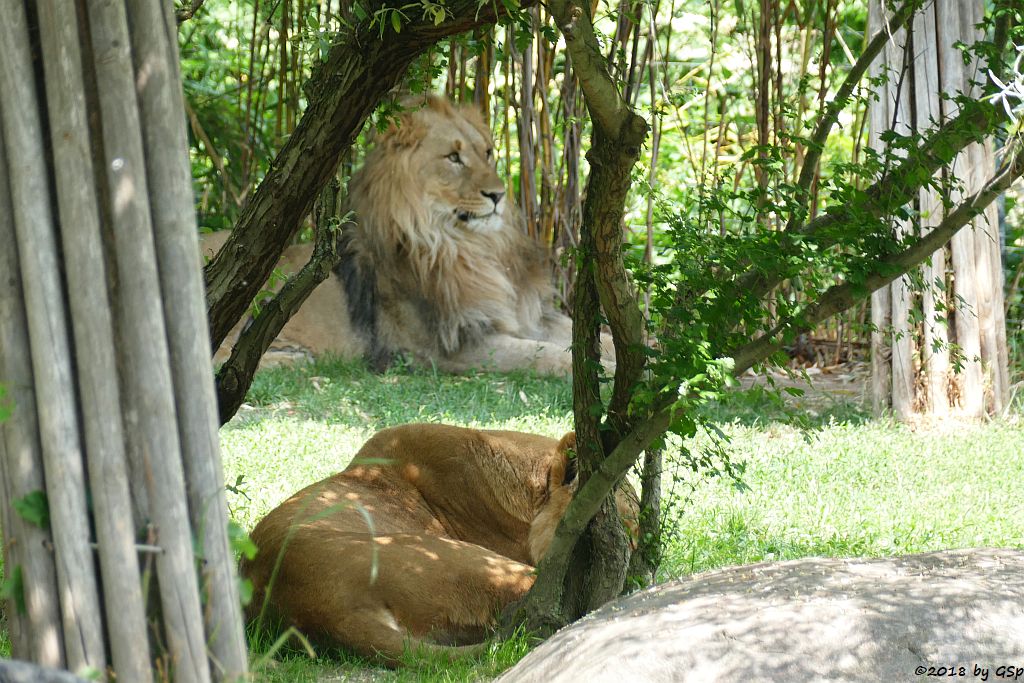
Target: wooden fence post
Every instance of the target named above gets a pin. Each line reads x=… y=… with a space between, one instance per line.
x=105 y=352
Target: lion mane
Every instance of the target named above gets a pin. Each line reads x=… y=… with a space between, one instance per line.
x=420 y=542
x=437 y=265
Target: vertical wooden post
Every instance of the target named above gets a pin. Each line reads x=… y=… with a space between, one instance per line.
x=881 y=300
x=52 y=374
x=988 y=255
x=973 y=296
x=94 y=339
x=935 y=344
x=36 y=635
x=897 y=97
x=152 y=417
x=155 y=51
x=951 y=80
x=131 y=424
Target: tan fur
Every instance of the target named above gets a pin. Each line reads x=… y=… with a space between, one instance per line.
x=459 y=283
x=420 y=541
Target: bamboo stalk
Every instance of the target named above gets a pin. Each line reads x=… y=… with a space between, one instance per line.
x=881 y=301
x=21 y=464
x=935 y=347
x=897 y=96
x=94 y=342
x=150 y=415
x=49 y=344
x=968 y=334
x=154 y=48
x=525 y=115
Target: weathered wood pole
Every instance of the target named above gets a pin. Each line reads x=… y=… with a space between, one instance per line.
x=925 y=71
x=155 y=51
x=104 y=352
x=52 y=376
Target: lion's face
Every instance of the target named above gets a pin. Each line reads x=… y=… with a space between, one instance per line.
x=444 y=157
x=456 y=168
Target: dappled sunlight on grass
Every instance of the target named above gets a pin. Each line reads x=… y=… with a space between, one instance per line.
x=833 y=483
x=871 y=489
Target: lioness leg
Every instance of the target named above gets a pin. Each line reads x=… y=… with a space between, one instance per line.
x=380 y=595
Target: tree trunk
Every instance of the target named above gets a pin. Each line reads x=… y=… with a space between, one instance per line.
x=974 y=295
x=581 y=575
x=646 y=559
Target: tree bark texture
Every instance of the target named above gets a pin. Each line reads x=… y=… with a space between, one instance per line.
x=935 y=363
x=94 y=339
x=646 y=559
x=582 y=570
x=37 y=634
x=360 y=69
x=148 y=396
x=973 y=295
x=235 y=377
x=153 y=32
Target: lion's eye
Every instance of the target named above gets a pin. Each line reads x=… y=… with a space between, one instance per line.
x=490 y=153
x=454 y=158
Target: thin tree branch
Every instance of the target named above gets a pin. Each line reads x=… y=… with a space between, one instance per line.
x=211 y=151
x=816 y=145
x=235 y=376
x=842 y=296
x=183 y=14
x=896 y=188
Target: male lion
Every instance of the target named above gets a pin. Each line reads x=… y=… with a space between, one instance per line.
x=437 y=264
x=420 y=541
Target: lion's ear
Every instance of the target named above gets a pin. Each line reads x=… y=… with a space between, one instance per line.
x=407 y=131
x=565 y=463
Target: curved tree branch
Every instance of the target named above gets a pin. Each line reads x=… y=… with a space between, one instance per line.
x=589 y=498
x=235 y=377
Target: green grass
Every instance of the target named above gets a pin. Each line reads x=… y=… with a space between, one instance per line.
x=872 y=488
x=839 y=484
x=295 y=666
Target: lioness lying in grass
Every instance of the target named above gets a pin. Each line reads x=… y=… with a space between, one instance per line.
x=419 y=542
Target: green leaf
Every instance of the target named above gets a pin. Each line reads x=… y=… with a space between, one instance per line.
x=34 y=509
x=245 y=591
x=240 y=542
x=396 y=22
x=6 y=404
x=438 y=16
x=13 y=588
x=360 y=13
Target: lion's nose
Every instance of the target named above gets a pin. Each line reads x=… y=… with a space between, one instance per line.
x=493 y=196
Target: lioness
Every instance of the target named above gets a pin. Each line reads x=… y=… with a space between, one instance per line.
x=438 y=264
x=420 y=541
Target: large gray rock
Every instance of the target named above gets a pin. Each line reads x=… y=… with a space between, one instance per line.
x=805 y=620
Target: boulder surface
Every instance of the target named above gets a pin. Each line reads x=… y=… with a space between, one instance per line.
x=952 y=614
